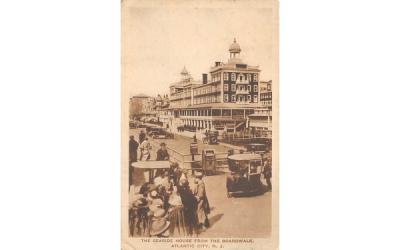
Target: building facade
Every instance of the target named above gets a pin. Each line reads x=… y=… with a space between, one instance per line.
x=261 y=122
x=181 y=93
x=224 y=99
x=266 y=94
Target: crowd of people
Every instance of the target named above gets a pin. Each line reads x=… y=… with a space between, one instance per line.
x=168 y=205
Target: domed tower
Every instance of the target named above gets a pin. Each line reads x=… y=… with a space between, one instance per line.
x=234 y=49
x=185 y=74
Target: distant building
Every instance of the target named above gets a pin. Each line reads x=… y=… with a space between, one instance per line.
x=222 y=102
x=231 y=82
x=261 y=122
x=266 y=94
x=181 y=93
x=138 y=104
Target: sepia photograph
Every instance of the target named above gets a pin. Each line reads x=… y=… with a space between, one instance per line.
x=199 y=88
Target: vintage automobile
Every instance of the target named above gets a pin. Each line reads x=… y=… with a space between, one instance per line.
x=152 y=129
x=211 y=137
x=245 y=174
x=161 y=134
x=258 y=148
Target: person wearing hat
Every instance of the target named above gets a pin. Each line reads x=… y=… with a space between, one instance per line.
x=159 y=224
x=203 y=207
x=175 y=173
x=175 y=214
x=183 y=175
x=145 y=148
x=133 y=147
x=189 y=207
x=268 y=173
x=141 y=207
x=162 y=153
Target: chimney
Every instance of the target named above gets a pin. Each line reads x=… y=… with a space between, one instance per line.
x=217 y=64
x=204 y=78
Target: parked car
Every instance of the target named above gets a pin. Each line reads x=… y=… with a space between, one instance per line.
x=161 y=134
x=245 y=174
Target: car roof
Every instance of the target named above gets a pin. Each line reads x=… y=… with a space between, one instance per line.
x=244 y=157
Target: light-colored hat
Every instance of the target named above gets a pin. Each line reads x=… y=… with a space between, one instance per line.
x=153 y=194
x=198 y=174
x=140 y=203
x=159 y=213
x=157 y=202
x=159 y=227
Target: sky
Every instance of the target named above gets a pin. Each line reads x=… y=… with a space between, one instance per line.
x=159 y=42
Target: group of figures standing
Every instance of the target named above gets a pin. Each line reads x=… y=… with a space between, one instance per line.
x=168 y=206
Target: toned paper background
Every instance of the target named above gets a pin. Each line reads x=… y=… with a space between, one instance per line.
x=163 y=29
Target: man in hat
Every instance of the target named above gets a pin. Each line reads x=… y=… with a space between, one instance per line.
x=133 y=146
x=268 y=173
x=162 y=153
x=145 y=148
x=189 y=207
x=175 y=173
x=203 y=207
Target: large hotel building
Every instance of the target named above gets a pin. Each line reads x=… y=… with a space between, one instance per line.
x=225 y=99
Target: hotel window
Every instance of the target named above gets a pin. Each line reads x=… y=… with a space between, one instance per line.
x=233 y=87
x=226 y=87
x=233 y=77
x=225 y=98
x=233 y=98
x=249 y=98
x=255 y=88
x=248 y=87
x=255 y=77
x=255 y=98
x=249 y=77
x=226 y=76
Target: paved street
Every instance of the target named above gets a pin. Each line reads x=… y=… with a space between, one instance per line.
x=230 y=217
x=179 y=143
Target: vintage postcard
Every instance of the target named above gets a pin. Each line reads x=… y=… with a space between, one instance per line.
x=200 y=113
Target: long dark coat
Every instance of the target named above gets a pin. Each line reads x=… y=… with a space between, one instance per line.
x=133 y=147
x=189 y=208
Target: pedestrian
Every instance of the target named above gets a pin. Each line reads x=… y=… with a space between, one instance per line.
x=203 y=207
x=175 y=173
x=268 y=173
x=194 y=138
x=189 y=207
x=145 y=148
x=133 y=147
x=162 y=153
x=142 y=136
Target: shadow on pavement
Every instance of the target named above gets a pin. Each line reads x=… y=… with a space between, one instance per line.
x=215 y=219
